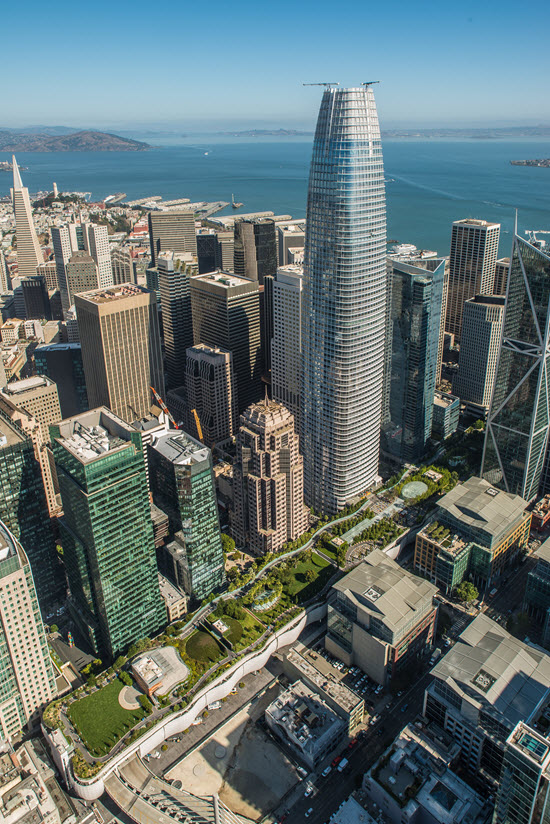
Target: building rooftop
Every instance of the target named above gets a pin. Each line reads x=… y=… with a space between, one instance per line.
x=488 y=300
x=339 y=692
x=148 y=670
x=225 y=280
x=170 y=594
x=444 y=399
x=496 y=670
x=92 y=434
x=473 y=222
x=380 y=586
x=10 y=433
x=481 y=506
x=7 y=544
x=304 y=717
x=543 y=551
x=180 y=448
x=113 y=293
x=27 y=385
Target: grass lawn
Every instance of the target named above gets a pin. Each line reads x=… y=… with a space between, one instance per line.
x=202 y=647
x=300 y=586
x=100 y=720
x=235 y=631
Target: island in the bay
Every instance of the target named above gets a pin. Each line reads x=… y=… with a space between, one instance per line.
x=83 y=141
x=544 y=162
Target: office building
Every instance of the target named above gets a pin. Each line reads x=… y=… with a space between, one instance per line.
x=322 y=678
x=476 y=531
x=479 y=349
x=381 y=618
x=119 y=335
x=106 y=531
x=518 y=422
x=414 y=781
x=124 y=270
x=501 y=276
x=29 y=792
x=34 y=404
x=29 y=255
x=268 y=477
x=289 y=236
x=226 y=314
x=174 y=599
x=472 y=261
x=487 y=683
x=81 y=275
x=62 y=243
x=96 y=243
x=183 y=486
x=177 y=323
x=207 y=252
x=286 y=346
x=410 y=368
x=5 y=279
x=48 y=270
x=173 y=230
x=309 y=728
x=35 y=295
x=344 y=301
x=226 y=248
x=24 y=509
x=255 y=249
x=210 y=387
x=523 y=795
x=266 y=325
x=28 y=682
x=446 y=413
x=536 y=601
x=62 y=363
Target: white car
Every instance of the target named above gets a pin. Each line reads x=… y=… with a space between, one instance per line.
x=308 y=791
x=326 y=771
x=309 y=812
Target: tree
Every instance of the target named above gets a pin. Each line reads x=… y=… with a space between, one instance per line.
x=309 y=575
x=466 y=592
x=228 y=544
x=54 y=628
x=145 y=703
x=126 y=678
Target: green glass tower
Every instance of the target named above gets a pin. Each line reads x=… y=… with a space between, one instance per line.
x=106 y=531
x=524 y=786
x=183 y=486
x=519 y=418
x=24 y=509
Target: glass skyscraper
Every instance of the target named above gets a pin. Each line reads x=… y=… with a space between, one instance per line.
x=344 y=301
x=518 y=422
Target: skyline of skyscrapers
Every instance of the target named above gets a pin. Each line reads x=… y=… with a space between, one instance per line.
x=344 y=301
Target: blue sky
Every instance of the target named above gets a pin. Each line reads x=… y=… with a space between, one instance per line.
x=242 y=64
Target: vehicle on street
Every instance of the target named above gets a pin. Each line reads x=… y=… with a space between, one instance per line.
x=326 y=771
x=343 y=764
x=309 y=812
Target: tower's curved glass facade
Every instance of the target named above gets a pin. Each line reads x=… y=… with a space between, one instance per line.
x=344 y=300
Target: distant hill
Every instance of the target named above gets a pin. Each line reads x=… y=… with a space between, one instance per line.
x=266 y=133
x=84 y=141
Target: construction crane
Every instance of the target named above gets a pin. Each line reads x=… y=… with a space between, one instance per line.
x=198 y=425
x=321 y=84
x=370 y=82
x=163 y=406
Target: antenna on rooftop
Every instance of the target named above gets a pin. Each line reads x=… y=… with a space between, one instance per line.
x=321 y=84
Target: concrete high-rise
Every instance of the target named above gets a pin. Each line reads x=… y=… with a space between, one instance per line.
x=289 y=236
x=286 y=346
x=96 y=243
x=210 y=390
x=479 y=349
x=62 y=242
x=177 y=323
x=173 y=230
x=501 y=276
x=412 y=338
x=344 y=302
x=518 y=422
x=29 y=255
x=123 y=265
x=255 y=249
x=62 y=362
x=106 y=531
x=81 y=237
x=226 y=313
x=183 y=486
x=24 y=509
x=472 y=261
x=82 y=275
x=34 y=404
x=5 y=279
x=268 y=479
x=28 y=680
x=119 y=335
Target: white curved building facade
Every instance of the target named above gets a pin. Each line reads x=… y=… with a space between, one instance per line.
x=344 y=301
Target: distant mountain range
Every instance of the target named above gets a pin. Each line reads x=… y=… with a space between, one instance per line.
x=67 y=141
x=265 y=133
x=487 y=133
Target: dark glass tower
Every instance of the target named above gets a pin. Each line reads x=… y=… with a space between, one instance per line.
x=106 y=531
x=344 y=303
x=518 y=422
x=255 y=250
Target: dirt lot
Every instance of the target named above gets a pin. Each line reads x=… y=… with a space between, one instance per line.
x=240 y=763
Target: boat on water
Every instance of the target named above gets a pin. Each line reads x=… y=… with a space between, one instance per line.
x=234 y=203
